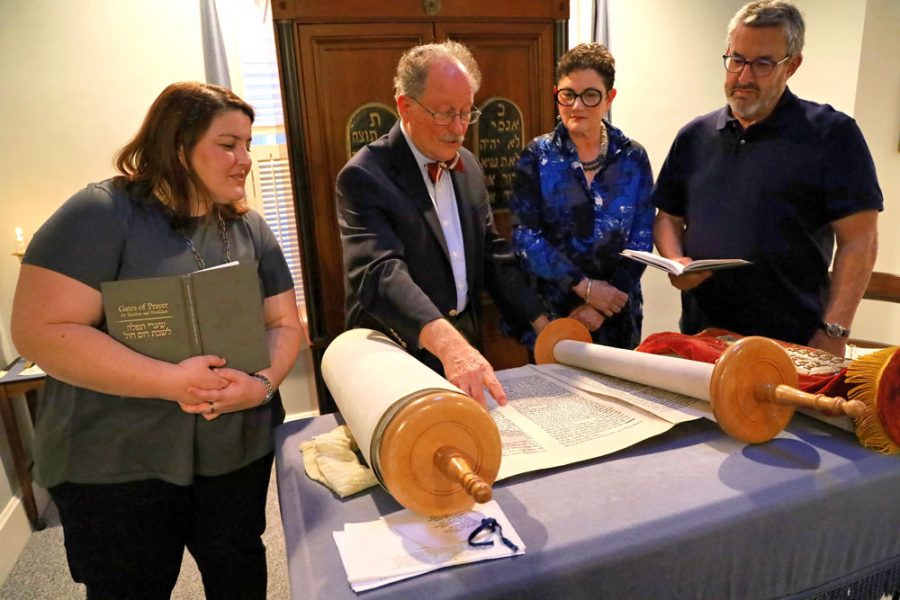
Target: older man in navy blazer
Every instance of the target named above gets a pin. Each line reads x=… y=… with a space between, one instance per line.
x=417 y=231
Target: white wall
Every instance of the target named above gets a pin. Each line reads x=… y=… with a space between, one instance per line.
x=664 y=80
x=77 y=80
x=877 y=110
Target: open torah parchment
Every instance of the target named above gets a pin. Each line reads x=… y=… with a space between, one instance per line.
x=559 y=415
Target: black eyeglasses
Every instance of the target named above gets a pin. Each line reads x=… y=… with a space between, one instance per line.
x=590 y=97
x=761 y=67
x=446 y=118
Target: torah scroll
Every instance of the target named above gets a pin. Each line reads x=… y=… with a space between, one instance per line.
x=752 y=387
x=436 y=450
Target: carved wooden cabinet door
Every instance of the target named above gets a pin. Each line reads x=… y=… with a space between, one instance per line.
x=337 y=61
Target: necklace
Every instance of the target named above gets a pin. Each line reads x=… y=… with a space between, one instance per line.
x=223 y=235
x=594 y=165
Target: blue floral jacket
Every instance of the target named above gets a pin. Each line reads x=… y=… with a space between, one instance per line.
x=565 y=230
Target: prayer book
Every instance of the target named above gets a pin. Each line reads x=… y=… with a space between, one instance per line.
x=676 y=268
x=212 y=311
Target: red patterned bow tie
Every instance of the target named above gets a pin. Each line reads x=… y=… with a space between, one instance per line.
x=435 y=168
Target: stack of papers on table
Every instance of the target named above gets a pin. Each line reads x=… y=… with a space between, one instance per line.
x=404 y=545
x=20 y=368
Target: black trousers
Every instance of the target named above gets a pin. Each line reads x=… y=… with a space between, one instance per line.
x=125 y=541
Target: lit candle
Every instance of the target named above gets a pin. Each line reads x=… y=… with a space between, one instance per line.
x=20 y=241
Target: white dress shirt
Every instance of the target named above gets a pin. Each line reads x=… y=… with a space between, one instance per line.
x=444 y=199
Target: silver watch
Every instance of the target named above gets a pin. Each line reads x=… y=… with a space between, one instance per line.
x=270 y=389
x=834 y=330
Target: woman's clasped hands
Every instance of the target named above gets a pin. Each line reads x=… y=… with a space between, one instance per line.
x=601 y=301
x=210 y=389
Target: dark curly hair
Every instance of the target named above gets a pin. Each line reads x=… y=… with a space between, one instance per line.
x=589 y=56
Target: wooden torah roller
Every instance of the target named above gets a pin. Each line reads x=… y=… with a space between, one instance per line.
x=752 y=387
x=434 y=449
x=440 y=453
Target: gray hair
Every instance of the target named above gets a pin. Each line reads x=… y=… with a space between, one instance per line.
x=771 y=13
x=412 y=70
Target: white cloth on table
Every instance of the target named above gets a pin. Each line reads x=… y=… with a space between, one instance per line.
x=330 y=459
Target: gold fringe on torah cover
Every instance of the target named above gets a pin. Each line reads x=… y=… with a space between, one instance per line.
x=876 y=383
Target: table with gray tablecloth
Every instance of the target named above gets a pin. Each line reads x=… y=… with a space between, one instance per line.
x=687 y=514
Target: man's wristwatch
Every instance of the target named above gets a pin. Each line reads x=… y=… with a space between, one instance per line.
x=270 y=389
x=834 y=330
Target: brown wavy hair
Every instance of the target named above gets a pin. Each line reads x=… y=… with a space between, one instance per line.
x=155 y=160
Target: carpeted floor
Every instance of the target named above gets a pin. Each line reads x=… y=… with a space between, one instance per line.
x=41 y=573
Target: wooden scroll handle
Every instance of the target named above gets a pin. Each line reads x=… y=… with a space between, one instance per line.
x=754 y=391
x=786 y=395
x=440 y=454
x=455 y=467
x=558 y=330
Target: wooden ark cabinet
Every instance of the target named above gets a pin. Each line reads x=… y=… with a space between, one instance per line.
x=337 y=62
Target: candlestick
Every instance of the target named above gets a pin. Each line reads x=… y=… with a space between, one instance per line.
x=20 y=244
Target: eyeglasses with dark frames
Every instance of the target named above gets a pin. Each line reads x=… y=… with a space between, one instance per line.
x=446 y=118
x=590 y=97
x=761 y=67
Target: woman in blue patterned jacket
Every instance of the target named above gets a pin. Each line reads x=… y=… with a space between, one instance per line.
x=581 y=196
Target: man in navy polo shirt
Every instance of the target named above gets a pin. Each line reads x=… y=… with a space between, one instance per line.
x=775 y=180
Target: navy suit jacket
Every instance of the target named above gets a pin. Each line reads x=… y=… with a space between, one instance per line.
x=396 y=264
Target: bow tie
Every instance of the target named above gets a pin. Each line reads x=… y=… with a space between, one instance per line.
x=436 y=168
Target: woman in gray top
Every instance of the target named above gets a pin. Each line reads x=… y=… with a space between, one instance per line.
x=143 y=457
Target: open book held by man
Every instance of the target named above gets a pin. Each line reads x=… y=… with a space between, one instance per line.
x=676 y=268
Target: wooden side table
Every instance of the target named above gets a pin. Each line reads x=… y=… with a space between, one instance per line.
x=8 y=391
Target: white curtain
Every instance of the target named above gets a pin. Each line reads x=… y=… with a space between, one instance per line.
x=600 y=28
x=600 y=23
x=214 y=58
